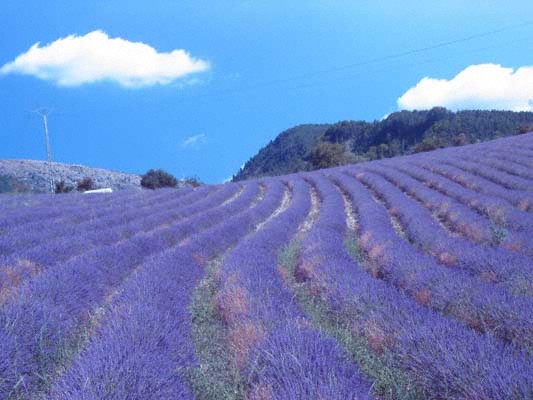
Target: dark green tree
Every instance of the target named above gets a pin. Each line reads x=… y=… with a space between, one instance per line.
x=85 y=184
x=525 y=129
x=157 y=178
x=326 y=155
x=62 y=187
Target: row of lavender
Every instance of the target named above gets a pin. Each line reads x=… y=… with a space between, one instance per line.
x=429 y=320
x=426 y=293
x=113 y=321
x=431 y=289
x=438 y=295
x=313 y=363
x=26 y=228
x=30 y=252
x=272 y=341
x=143 y=341
x=47 y=300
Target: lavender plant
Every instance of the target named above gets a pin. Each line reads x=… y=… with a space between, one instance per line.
x=407 y=278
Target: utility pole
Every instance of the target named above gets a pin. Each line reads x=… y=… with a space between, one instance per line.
x=43 y=113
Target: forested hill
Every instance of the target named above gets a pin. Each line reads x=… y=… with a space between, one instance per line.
x=285 y=154
x=308 y=147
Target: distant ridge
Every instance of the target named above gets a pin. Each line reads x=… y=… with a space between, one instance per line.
x=32 y=176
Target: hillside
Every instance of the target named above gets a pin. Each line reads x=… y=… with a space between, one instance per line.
x=309 y=147
x=285 y=154
x=405 y=278
x=23 y=176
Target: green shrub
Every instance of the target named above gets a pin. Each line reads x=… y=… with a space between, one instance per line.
x=326 y=155
x=85 y=184
x=525 y=129
x=157 y=178
x=62 y=187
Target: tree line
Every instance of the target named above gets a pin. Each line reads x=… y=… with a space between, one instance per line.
x=309 y=147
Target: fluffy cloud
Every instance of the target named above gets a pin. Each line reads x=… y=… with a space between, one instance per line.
x=483 y=86
x=194 y=141
x=77 y=60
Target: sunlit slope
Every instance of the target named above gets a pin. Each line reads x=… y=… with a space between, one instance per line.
x=33 y=176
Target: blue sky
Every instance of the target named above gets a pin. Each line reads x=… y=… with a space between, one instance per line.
x=267 y=66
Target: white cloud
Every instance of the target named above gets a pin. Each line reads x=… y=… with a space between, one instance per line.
x=194 y=141
x=483 y=86
x=77 y=60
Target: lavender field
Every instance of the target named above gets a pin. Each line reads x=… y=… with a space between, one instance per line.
x=405 y=278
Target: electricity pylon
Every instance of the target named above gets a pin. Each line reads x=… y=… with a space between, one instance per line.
x=44 y=113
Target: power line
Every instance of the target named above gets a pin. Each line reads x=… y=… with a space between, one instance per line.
x=369 y=61
x=418 y=50
x=427 y=61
